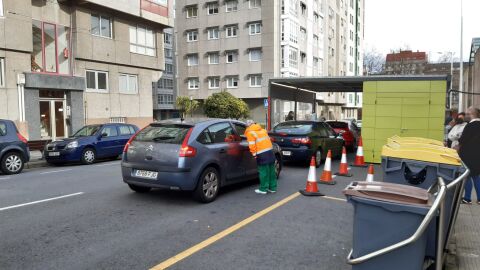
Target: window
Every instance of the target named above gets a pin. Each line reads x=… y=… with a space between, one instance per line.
x=294 y=28
x=1 y=8
x=213 y=58
x=168 y=53
x=192 y=60
x=255 y=54
x=255 y=28
x=97 y=80
x=256 y=80
x=109 y=131
x=165 y=99
x=167 y=38
x=142 y=40
x=192 y=11
x=165 y=83
x=303 y=33
x=315 y=40
x=293 y=57
x=192 y=36
x=214 y=82
x=193 y=83
x=315 y=17
x=303 y=57
x=232 y=82
x=303 y=7
x=101 y=26
x=232 y=31
x=232 y=56
x=125 y=130
x=219 y=132
x=128 y=84
x=231 y=6
x=240 y=128
x=212 y=8
x=3 y=126
x=168 y=68
x=315 y=65
x=2 y=72
x=255 y=3
x=51 y=48
x=213 y=33
x=204 y=137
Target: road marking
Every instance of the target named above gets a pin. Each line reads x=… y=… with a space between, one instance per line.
x=40 y=201
x=190 y=251
x=106 y=164
x=5 y=178
x=334 y=198
x=66 y=170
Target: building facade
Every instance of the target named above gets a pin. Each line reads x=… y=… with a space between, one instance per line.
x=69 y=63
x=238 y=45
x=405 y=63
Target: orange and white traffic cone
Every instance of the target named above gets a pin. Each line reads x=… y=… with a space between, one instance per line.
x=311 y=189
x=326 y=177
x=343 y=170
x=359 y=159
x=370 y=174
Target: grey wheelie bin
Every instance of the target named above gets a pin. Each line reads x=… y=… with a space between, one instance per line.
x=384 y=215
x=419 y=165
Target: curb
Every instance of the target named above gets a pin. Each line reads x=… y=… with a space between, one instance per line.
x=36 y=164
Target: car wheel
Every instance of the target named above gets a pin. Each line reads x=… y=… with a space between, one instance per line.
x=208 y=185
x=278 y=166
x=88 y=156
x=12 y=163
x=318 y=158
x=139 y=189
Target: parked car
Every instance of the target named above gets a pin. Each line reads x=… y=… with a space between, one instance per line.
x=14 y=152
x=300 y=140
x=90 y=143
x=199 y=155
x=349 y=131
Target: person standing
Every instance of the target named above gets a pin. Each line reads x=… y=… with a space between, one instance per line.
x=456 y=131
x=469 y=151
x=262 y=150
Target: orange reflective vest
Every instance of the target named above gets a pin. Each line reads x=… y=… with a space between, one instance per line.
x=258 y=140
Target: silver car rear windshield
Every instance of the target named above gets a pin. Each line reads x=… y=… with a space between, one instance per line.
x=293 y=128
x=173 y=134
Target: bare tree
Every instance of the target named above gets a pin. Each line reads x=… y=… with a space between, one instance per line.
x=445 y=58
x=373 y=61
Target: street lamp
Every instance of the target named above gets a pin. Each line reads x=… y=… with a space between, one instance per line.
x=460 y=82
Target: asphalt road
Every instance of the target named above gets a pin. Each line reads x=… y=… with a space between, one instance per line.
x=85 y=217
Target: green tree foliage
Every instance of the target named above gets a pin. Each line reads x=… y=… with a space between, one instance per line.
x=225 y=105
x=186 y=105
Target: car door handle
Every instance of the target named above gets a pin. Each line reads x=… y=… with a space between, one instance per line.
x=222 y=151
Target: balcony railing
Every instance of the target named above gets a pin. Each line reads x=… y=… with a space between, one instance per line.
x=155 y=7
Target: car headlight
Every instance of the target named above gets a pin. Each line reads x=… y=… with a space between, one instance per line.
x=71 y=145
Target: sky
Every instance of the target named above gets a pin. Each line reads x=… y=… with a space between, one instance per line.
x=426 y=25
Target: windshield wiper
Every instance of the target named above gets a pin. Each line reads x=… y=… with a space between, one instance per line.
x=162 y=138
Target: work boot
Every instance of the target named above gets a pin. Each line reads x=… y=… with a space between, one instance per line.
x=258 y=191
x=271 y=191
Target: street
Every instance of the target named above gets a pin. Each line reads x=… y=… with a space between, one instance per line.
x=99 y=223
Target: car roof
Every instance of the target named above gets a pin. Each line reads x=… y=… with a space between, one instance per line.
x=193 y=121
x=301 y=122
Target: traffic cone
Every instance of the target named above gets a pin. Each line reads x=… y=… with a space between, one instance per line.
x=359 y=160
x=311 y=189
x=326 y=177
x=343 y=171
x=370 y=174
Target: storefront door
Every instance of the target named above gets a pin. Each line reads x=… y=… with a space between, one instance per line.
x=52 y=119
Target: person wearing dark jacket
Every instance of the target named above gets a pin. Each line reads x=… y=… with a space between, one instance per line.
x=469 y=152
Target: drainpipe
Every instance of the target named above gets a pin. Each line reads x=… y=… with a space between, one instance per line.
x=21 y=96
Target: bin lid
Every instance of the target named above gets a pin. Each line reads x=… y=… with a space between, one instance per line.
x=399 y=139
x=422 y=152
x=389 y=192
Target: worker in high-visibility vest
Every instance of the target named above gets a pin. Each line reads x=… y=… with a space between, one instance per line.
x=262 y=150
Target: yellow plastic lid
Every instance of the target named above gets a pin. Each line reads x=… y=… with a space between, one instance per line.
x=422 y=152
x=400 y=140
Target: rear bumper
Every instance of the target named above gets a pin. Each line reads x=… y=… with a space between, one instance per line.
x=171 y=178
x=297 y=154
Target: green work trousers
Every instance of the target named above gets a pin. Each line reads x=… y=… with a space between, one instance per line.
x=268 y=177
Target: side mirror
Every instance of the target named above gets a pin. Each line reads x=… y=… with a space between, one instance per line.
x=104 y=135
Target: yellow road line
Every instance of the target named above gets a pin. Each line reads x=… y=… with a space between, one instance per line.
x=184 y=254
x=334 y=198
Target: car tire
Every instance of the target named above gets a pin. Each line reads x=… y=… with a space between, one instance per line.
x=208 y=186
x=318 y=158
x=12 y=163
x=89 y=156
x=139 y=189
x=278 y=165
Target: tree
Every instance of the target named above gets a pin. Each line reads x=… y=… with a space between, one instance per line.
x=186 y=105
x=373 y=61
x=225 y=105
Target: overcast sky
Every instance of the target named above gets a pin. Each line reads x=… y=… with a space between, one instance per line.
x=425 y=25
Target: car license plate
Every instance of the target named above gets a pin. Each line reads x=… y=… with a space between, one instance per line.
x=54 y=154
x=146 y=174
x=287 y=153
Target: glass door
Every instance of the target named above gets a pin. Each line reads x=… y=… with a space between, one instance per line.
x=52 y=119
x=45 y=121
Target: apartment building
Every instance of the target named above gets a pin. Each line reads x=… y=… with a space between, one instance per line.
x=164 y=90
x=66 y=63
x=405 y=63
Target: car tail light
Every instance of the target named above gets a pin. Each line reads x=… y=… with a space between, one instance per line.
x=272 y=139
x=303 y=140
x=187 y=150
x=125 y=148
x=21 y=138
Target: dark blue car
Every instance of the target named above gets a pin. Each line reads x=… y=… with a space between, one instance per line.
x=14 y=151
x=90 y=143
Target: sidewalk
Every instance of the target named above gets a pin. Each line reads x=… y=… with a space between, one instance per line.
x=466 y=237
x=36 y=160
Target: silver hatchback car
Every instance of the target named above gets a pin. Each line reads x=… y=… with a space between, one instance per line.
x=199 y=155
